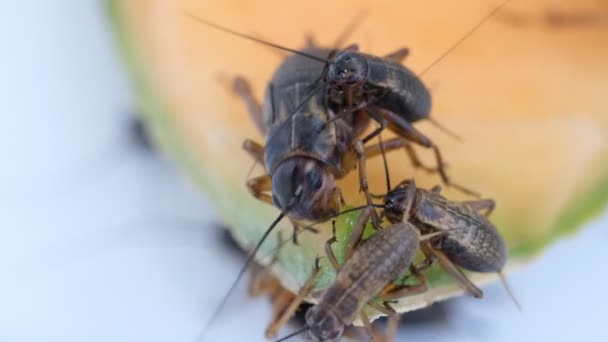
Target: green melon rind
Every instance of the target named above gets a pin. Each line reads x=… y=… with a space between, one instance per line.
x=165 y=134
x=581 y=209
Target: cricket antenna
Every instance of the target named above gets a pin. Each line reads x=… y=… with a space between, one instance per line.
x=384 y=161
x=445 y=130
x=311 y=226
x=312 y=93
x=465 y=37
x=306 y=328
x=250 y=259
x=503 y=279
x=350 y=27
x=252 y=38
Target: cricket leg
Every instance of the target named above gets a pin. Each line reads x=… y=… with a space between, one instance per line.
x=355 y=333
x=382 y=123
x=259 y=188
x=280 y=297
x=309 y=41
x=386 y=309
x=287 y=313
x=255 y=150
x=395 y=144
x=392 y=325
x=363 y=183
x=436 y=189
x=391 y=328
x=367 y=326
x=483 y=204
x=241 y=87
x=297 y=229
x=452 y=270
x=349 y=29
x=398 y=55
x=405 y=130
x=357 y=233
x=393 y=321
x=392 y=292
x=262 y=282
x=329 y=251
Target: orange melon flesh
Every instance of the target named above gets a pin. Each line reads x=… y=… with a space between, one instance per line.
x=529 y=101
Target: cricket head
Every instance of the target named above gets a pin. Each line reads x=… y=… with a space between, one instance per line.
x=399 y=200
x=306 y=188
x=348 y=70
x=323 y=324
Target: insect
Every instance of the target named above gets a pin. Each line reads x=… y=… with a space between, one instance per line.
x=302 y=164
x=451 y=233
x=359 y=87
x=370 y=270
x=469 y=239
x=314 y=128
x=313 y=137
x=309 y=144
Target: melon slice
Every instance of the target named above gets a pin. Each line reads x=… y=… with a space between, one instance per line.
x=529 y=101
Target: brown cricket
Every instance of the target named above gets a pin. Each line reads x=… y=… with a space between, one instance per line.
x=370 y=270
x=315 y=134
x=453 y=233
x=468 y=240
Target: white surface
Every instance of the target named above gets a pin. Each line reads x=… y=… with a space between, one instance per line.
x=100 y=242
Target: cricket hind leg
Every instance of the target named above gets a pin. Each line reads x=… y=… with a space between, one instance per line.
x=405 y=130
x=395 y=144
x=398 y=55
x=449 y=267
x=242 y=88
x=487 y=204
x=349 y=29
x=311 y=43
x=393 y=292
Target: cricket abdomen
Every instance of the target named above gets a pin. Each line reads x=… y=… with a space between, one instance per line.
x=406 y=94
x=470 y=240
x=481 y=249
x=304 y=132
x=377 y=262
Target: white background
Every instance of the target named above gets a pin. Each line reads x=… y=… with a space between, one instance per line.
x=103 y=241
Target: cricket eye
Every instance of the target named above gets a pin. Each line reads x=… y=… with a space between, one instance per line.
x=315 y=180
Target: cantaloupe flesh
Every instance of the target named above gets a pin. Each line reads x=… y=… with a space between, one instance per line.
x=529 y=101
